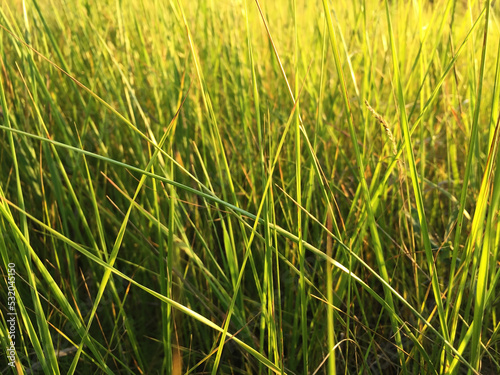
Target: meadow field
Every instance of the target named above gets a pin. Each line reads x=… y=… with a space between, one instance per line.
x=249 y=187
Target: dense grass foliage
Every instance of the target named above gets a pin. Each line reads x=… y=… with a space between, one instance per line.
x=248 y=186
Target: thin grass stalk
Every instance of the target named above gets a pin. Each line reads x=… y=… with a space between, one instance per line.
x=298 y=187
x=415 y=183
x=454 y=312
x=362 y=181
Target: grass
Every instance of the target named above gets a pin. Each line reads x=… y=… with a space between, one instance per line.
x=250 y=187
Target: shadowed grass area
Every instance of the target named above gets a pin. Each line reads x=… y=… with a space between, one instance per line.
x=240 y=187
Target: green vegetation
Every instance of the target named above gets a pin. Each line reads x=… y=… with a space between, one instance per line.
x=245 y=186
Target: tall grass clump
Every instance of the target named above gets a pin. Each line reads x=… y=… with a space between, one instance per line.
x=236 y=187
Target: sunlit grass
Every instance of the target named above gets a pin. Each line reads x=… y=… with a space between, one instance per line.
x=250 y=186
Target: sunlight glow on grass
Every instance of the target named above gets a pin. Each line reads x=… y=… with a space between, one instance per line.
x=249 y=186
